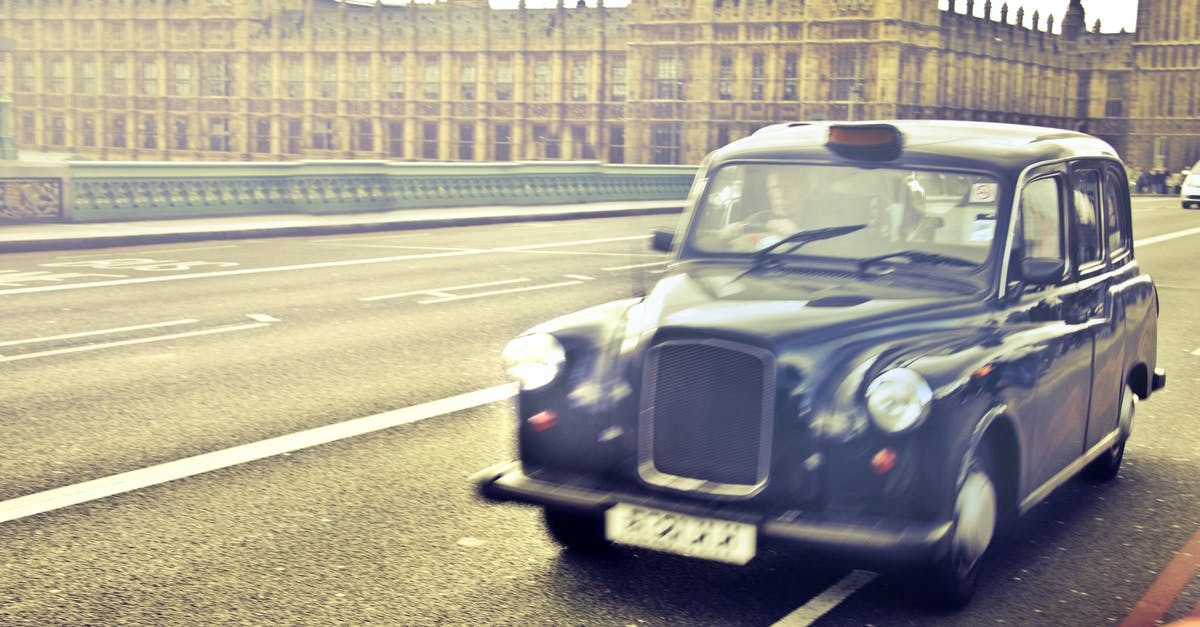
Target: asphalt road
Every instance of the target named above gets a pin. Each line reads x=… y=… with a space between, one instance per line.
x=275 y=362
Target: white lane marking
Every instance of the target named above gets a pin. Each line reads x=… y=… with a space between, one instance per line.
x=434 y=301
x=574 y=243
x=181 y=250
x=262 y=317
x=225 y=273
x=66 y=496
x=636 y=265
x=67 y=336
x=443 y=291
x=581 y=277
x=305 y=266
x=1164 y=237
x=143 y=340
x=1196 y=352
x=820 y=605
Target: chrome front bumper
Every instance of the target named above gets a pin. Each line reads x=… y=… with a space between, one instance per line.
x=874 y=537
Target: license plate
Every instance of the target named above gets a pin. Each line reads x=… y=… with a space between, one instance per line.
x=707 y=538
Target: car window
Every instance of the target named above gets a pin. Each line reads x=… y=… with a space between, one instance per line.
x=1085 y=194
x=749 y=206
x=1115 y=229
x=1041 y=219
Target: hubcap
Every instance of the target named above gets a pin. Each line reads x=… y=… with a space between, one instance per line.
x=975 y=514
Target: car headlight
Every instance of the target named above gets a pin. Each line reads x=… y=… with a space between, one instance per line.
x=898 y=400
x=534 y=360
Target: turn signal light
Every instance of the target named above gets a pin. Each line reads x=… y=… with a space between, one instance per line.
x=542 y=420
x=883 y=461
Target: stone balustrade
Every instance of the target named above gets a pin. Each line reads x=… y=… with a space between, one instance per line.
x=97 y=191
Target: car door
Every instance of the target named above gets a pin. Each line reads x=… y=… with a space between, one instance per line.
x=1055 y=317
x=1108 y=319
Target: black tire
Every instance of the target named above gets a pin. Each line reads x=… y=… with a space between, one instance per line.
x=581 y=533
x=977 y=512
x=1105 y=467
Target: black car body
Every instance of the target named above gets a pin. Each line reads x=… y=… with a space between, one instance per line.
x=958 y=327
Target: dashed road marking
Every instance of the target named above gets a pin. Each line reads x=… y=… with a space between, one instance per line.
x=66 y=496
x=821 y=604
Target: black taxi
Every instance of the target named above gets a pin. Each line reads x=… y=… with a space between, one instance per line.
x=879 y=338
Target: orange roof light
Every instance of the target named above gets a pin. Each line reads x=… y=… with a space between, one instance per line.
x=872 y=142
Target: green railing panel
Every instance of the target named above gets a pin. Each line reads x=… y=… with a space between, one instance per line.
x=108 y=191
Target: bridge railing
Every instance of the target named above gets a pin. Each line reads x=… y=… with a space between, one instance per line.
x=95 y=191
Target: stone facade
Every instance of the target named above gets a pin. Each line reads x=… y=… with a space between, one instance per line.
x=658 y=81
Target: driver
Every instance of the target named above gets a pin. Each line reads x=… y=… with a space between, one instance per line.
x=786 y=189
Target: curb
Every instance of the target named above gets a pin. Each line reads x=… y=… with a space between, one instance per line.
x=106 y=241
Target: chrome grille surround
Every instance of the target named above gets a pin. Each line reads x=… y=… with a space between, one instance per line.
x=706 y=416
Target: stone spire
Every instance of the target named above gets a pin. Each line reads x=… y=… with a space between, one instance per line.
x=1074 y=24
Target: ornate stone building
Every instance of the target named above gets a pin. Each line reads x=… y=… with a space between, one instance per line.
x=658 y=81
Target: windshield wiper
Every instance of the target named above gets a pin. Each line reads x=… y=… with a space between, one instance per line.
x=797 y=240
x=918 y=256
x=804 y=237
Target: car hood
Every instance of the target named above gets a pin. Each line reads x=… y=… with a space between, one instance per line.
x=771 y=306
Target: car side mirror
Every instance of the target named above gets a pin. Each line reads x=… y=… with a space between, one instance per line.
x=662 y=240
x=1042 y=270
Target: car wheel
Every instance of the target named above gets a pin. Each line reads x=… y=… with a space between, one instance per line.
x=583 y=533
x=976 y=516
x=1105 y=467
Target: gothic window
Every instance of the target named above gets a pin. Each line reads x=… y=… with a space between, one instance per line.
x=429 y=140
x=85 y=77
x=758 y=72
x=466 y=142
x=322 y=134
x=295 y=77
x=541 y=80
x=362 y=77
x=25 y=75
x=364 y=136
x=845 y=72
x=150 y=77
x=504 y=79
x=295 y=136
x=791 y=62
x=149 y=132
x=58 y=130
x=503 y=142
x=396 y=78
x=395 y=139
x=616 y=144
x=579 y=80
x=182 y=83
x=618 y=81
x=117 y=131
x=58 y=76
x=181 y=134
x=669 y=77
x=218 y=77
x=665 y=147
x=725 y=78
x=218 y=134
x=1114 y=104
x=87 y=130
x=261 y=142
x=432 y=85
x=262 y=77
x=327 y=87
x=466 y=78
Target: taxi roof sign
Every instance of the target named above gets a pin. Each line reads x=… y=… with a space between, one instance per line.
x=872 y=142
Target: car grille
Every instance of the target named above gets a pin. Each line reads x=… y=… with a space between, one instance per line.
x=706 y=416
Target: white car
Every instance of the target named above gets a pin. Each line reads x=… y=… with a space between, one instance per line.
x=1189 y=191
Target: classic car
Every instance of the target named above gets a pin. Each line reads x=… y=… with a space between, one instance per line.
x=878 y=339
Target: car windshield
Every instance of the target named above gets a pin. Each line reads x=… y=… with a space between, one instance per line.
x=901 y=214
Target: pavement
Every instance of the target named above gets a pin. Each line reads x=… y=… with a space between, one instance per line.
x=46 y=236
